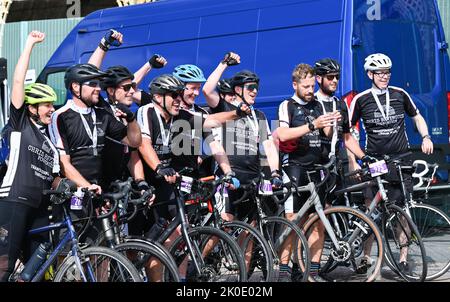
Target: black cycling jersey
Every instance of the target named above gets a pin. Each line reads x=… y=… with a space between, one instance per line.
x=171 y=146
x=118 y=153
x=33 y=160
x=242 y=140
x=70 y=135
x=293 y=113
x=385 y=129
x=343 y=126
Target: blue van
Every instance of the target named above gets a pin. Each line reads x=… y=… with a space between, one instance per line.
x=272 y=36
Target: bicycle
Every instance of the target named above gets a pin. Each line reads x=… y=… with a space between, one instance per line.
x=150 y=258
x=344 y=238
x=212 y=255
x=202 y=210
x=92 y=264
x=401 y=237
x=432 y=223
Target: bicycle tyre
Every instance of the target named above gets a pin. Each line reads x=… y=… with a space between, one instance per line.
x=362 y=228
x=169 y=271
x=68 y=271
x=395 y=215
x=261 y=255
x=214 y=261
x=433 y=225
x=300 y=261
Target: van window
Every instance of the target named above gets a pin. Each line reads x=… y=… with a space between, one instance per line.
x=56 y=81
x=411 y=48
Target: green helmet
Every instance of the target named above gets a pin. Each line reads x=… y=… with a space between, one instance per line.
x=37 y=93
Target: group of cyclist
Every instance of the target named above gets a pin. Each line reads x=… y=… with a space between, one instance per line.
x=93 y=141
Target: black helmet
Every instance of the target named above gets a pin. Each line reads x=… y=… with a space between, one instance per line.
x=165 y=83
x=326 y=66
x=116 y=75
x=80 y=73
x=224 y=86
x=242 y=77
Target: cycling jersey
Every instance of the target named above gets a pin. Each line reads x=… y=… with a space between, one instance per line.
x=383 y=116
x=33 y=160
x=169 y=144
x=343 y=126
x=81 y=133
x=294 y=112
x=118 y=153
x=242 y=140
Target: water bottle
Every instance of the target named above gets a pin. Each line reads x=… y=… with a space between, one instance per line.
x=36 y=260
x=156 y=229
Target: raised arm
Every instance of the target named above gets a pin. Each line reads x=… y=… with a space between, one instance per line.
x=17 y=91
x=112 y=37
x=156 y=61
x=209 y=88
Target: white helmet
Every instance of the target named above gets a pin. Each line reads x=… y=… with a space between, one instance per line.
x=377 y=61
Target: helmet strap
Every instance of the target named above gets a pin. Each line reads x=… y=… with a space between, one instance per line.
x=35 y=116
x=164 y=105
x=242 y=96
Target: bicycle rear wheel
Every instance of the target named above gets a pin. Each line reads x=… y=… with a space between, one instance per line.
x=255 y=248
x=99 y=264
x=403 y=243
x=218 y=254
x=152 y=265
x=434 y=228
x=359 y=242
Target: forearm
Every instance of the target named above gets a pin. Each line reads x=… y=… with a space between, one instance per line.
x=135 y=166
x=97 y=57
x=17 y=92
x=72 y=173
x=352 y=145
x=209 y=88
x=148 y=154
x=272 y=154
x=217 y=119
x=287 y=134
x=142 y=72
x=220 y=156
x=421 y=125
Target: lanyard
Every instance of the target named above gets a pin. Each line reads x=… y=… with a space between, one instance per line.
x=385 y=114
x=334 y=138
x=165 y=137
x=56 y=167
x=92 y=134
x=253 y=121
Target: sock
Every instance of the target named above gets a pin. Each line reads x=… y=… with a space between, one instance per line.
x=182 y=279
x=285 y=270
x=315 y=267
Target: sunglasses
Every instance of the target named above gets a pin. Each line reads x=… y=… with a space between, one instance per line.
x=330 y=77
x=92 y=83
x=251 y=87
x=174 y=95
x=127 y=87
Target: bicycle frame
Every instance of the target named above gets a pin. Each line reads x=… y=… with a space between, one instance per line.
x=70 y=236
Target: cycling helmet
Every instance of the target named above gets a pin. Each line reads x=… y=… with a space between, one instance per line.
x=377 y=61
x=37 y=93
x=80 y=73
x=242 y=77
x=189 y=74
x=116 y=75
x=165 y=83
x=326 y=66
x=224 y=86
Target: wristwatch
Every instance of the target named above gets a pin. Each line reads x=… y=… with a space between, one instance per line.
x=426 y=136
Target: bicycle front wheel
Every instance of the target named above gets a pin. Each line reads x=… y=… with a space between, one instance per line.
x=153 y=265
x=405 y=251
x=98 y=264
x=217 y=254
x=357 y=255
x=434 y=228
x=255 y=248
